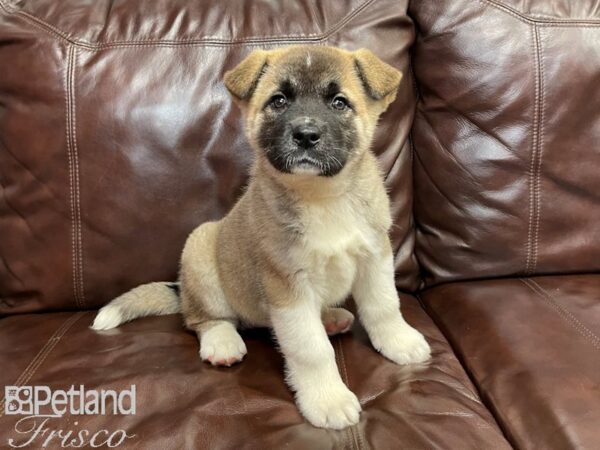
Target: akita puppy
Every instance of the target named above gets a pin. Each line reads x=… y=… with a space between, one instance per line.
x=311 y=229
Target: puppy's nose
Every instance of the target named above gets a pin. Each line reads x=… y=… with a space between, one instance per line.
x=306 y=135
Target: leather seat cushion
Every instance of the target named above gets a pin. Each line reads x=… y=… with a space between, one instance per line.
x=182 y=402
x=532 y=346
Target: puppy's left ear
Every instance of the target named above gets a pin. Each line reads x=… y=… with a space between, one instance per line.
x=380 y=80
x=242 y=80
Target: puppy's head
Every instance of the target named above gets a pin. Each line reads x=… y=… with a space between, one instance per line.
x=312 y=110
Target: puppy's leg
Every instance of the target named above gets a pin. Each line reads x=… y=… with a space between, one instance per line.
x=204 y=305
x=209 y=315
x=337 y=320
x=321 y=395
x=375 y=294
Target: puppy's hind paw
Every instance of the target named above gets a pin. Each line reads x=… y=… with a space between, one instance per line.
x=337 y=320
x=222 y=346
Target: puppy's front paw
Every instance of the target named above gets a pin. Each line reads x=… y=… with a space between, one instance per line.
x=402 y=344
x=222 y=346
x=333 y=406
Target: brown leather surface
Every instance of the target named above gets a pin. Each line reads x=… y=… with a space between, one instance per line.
x=506 y=137
x=183 y=403
x=117 y=137
x=532 y=345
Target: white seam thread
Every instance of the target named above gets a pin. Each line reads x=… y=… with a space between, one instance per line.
x=42 y=354
x=251 y=41
x=76 y=180
x=548 y=22
x=534 y=153
x=70 y=162
x=540 y=154
x=74 y=225
x=565 y=314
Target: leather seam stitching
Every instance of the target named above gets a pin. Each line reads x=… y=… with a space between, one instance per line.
x=207 y=41
x=74 y=185
x=75 y=150
x=563 y=313
x=540 y=152
x=534 y=165
x=67 y=81
x=43 y=353
x=541 y=21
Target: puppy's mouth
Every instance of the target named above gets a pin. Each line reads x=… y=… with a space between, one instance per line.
x=305 y=164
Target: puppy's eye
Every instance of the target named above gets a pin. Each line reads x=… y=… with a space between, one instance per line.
x=278 y=101
x=339 y=102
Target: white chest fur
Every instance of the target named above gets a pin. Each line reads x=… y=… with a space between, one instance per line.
x=335 y=235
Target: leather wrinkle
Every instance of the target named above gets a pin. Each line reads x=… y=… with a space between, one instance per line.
x=3 y=260
x=433 y=182
x=16 y=210
x=417 y=98
x=207 y=41
x=566 y=315
x=41 y=356
x=29 y=171
x=450 y=107
x=456 y=161
x=394 y=162
x=10 y=271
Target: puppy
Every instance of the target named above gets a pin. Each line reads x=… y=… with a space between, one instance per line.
x=311 y=228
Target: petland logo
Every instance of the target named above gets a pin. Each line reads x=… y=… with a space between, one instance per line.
x=40 y=405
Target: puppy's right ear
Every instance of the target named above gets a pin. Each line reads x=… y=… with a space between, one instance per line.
x=380 y=80
x=242 y=80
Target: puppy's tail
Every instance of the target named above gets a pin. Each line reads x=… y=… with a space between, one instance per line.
x=152 y=299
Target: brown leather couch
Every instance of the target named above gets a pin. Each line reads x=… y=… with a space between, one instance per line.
x=117 y=138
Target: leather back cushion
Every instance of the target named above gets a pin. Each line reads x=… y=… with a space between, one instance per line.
x=507 y=137
x=117 y=137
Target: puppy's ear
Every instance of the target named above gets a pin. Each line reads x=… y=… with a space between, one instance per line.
x=242 y=80
x=380 y=80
